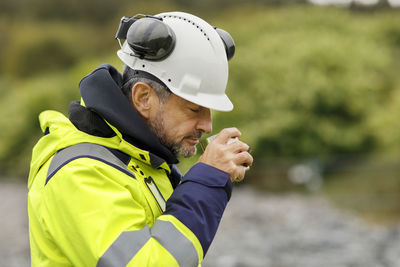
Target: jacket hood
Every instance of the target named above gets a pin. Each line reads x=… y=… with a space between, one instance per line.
x=60 y=132
x=101 y=92
x=127 y=132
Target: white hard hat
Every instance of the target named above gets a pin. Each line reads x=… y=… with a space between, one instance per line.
x=196 y=65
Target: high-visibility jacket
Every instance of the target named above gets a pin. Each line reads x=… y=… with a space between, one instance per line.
x=101 y=201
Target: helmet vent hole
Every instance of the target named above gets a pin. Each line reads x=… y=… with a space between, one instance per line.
x=190 y=22
x=169 y=80
x=143 y=66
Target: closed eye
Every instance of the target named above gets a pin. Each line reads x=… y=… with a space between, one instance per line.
x=195 y=110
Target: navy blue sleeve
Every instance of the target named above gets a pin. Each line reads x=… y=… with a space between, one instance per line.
x=200 y=200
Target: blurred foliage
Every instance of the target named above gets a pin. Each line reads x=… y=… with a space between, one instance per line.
x=314 y=81
x=40 y=48
x=94 y=12
x=319 y=84
x=20 y=109
x=368 y=187
x=103 y=11
x=307 y=82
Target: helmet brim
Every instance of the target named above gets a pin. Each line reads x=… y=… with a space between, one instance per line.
x=211 y=101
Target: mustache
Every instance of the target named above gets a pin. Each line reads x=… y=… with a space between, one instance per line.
x=196 y=134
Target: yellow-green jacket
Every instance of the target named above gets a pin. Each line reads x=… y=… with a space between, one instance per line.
x=104 y=192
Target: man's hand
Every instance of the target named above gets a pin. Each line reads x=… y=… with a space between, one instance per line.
x=231 y=157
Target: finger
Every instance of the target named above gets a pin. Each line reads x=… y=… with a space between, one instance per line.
x=227 y=134
x=239 y=175
x=238 y=146
x=238 y=179
x=243 y=159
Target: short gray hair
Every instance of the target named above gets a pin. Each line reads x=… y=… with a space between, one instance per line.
x=130 y=78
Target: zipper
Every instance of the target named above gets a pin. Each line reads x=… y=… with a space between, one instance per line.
x=151 y=185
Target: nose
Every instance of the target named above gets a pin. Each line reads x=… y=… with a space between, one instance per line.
x=205 y=121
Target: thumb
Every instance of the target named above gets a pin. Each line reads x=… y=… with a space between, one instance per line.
x=226 y=134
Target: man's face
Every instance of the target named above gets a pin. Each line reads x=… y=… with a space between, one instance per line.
x=179 y=124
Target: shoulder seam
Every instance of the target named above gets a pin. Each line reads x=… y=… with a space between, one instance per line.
x=86 y=150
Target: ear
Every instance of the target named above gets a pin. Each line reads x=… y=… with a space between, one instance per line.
x=143 y=99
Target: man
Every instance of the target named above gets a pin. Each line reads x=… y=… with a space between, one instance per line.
x=103 y=187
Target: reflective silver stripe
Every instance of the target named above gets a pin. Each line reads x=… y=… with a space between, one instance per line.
x=129 y=243
x=84 y=149
x=175 y=242
x=124 y=248
x=156 y=193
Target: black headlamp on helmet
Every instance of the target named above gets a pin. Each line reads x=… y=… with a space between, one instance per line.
x=150 y=38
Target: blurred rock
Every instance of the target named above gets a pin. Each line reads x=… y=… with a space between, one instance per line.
x=14 y=240
x=298 y=231
x=257 y=230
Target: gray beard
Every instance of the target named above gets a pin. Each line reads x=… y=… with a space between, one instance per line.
x=178 y=149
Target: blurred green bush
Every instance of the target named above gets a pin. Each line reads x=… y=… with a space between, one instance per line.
x=306 y=81
x=315 y=81
x=319 y=84
x=32 y=48
x=20 y=108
